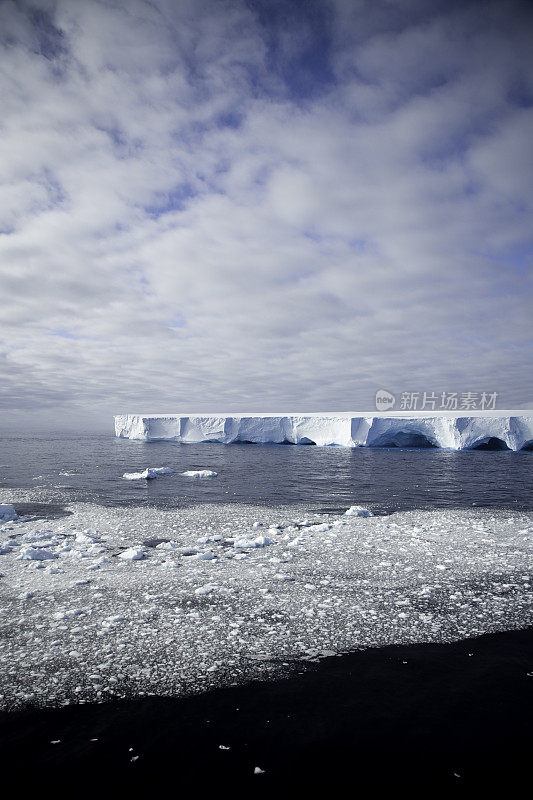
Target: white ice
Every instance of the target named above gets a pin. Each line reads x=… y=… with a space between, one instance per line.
x=137 y=600
x=148 y=474
x=358 y=511
x=7 y=512
x=200 y=473
x=449 y=430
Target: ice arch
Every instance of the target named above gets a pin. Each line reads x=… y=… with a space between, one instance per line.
x=491 y=430
x=404 y=439
x=490 y=443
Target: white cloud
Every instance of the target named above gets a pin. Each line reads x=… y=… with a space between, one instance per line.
x=198 y=213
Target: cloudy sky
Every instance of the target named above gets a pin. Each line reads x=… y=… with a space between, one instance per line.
x=257 y=205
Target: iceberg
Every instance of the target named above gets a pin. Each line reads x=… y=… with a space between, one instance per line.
x=485 y=430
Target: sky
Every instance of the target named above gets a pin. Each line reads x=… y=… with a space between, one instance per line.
x=257 y=205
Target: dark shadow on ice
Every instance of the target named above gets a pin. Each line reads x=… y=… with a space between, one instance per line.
x=491 y=444
x=406 y=440
x=448 y=718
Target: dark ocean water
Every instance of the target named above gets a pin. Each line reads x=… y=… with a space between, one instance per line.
x=433 y=720
x=325 y=478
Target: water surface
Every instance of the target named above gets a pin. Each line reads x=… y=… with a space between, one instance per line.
x=326 y=478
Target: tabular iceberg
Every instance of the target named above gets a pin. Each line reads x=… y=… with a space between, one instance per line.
x=493 y=430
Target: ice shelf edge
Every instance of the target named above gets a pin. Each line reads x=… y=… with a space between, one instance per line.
x=494 y=430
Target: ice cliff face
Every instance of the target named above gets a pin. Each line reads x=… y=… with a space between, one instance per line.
x=503 y=430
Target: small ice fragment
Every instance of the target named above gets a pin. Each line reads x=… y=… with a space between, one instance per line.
x=133 y=554
x=82 y=538
x=148 y=474
x=207 y=589
x=206 y=555
x=358 y=511
x=135 y=476
x=35 y=554
x=7 y=512
x=200 y=473
x=259 y=541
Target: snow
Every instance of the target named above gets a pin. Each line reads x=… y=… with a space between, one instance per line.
x=512 y=430
x=238 y=592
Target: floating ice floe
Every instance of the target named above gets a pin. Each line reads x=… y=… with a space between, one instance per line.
x=133 y=554
x=205 y=555
x=200 y=473
x=245 y=542
x=35 y=554
x=148 y=474
x=7 y=512
x=358 y=511
x=170 y=564
x=83 y=538
x=207 y=589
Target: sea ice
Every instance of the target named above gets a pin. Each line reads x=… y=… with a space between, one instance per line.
x=148 y=474
x=7 y=512
x=258 y=541
x=200 y=473
x=35 y=554
x=358 y=511
x=133 y=554
x=218 y=605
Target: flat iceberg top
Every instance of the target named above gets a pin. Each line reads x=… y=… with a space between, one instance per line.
x=452 y=430
x=343 y=414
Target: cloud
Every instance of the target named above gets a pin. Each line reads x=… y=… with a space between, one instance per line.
x=262 y=206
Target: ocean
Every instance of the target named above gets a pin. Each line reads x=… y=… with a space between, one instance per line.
x=89 y=468
x=243 y=634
